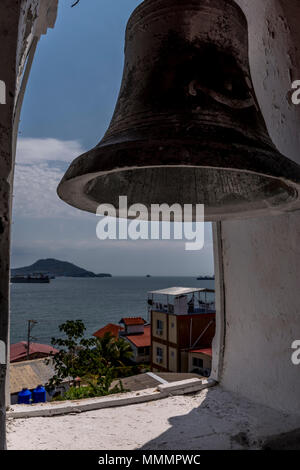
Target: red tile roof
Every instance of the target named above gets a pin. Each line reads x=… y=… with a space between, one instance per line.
x=207 y=351
x=18 y=351
x=141 y=340
x=132 y=321
x=109 y=328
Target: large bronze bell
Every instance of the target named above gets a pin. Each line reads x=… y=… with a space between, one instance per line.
x=187 y=128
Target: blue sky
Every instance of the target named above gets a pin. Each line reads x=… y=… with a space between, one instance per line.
x=70 y=98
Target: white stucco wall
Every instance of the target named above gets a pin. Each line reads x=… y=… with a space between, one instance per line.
x=260 y=258
x=21 y=25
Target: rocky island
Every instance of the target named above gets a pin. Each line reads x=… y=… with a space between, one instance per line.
x=56 y=268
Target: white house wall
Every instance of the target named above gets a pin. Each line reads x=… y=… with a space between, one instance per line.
x=258 y=260
x=21 y=24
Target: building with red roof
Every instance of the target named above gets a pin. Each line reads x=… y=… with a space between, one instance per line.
x=142 y=340
x=200 y=361
x=133 y=325
x=136 y=332
x=133 y=321
x=18 y=351
x=111 y=328
x=140 y=344
x=183 y=320
x=206 y=351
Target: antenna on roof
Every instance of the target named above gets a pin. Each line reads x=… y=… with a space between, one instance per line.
x=31 y=324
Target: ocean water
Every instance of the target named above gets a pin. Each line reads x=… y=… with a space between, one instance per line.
x=95 y=301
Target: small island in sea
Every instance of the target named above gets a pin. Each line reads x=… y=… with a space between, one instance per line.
x=55 y=268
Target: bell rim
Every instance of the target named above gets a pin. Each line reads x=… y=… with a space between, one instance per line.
x=264 y=160
x=72 y=188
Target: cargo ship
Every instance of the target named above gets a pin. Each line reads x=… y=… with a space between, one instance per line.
x=30 y=279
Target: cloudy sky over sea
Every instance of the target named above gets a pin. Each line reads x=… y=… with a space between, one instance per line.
x=69 y=101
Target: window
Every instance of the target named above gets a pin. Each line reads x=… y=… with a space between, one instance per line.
x=159 y=327
x=197 y=362
x=159 y=355
x=170 y=308
x=145 y=351
x=159 y=352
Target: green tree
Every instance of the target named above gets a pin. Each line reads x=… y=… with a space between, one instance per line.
x=97 y=361
x=114 y=351
x=76 y=356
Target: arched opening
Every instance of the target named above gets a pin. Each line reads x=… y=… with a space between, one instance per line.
x=68 y=104
x=257 y=259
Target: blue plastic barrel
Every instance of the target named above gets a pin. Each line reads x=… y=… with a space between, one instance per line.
x=39 y=394
x=24 y=397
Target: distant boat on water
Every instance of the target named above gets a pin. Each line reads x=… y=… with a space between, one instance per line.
x=30 y=279
x=205 y=278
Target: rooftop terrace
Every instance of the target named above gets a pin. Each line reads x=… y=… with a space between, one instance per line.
x=182 y=300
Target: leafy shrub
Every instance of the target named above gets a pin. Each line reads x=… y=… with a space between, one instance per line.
x=90 y=391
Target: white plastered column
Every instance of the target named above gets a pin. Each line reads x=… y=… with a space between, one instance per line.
x=257 y=261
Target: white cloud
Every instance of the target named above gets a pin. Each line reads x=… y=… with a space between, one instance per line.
x=30 y=150
x=37 y=175
x=45 y=226
x=35 y=192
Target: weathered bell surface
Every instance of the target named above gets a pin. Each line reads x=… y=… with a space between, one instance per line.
x=187 y=128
